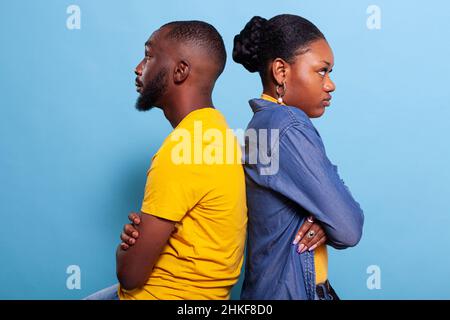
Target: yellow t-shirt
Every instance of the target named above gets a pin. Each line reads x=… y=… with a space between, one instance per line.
x=320 y=253
x=193 y=181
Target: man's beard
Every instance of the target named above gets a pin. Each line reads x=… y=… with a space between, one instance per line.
x=152 y=92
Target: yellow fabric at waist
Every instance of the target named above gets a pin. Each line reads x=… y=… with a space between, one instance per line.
x=321 y=263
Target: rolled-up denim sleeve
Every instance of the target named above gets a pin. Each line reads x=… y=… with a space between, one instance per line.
x=307 y=177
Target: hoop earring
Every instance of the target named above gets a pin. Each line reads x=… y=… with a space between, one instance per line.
x=281 y=94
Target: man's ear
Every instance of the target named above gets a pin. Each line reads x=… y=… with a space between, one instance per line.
x=181 y=71
x=279 y=70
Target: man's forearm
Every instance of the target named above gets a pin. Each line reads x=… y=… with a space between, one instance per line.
x=135 y=264
x=128 y=279
x=120 y=267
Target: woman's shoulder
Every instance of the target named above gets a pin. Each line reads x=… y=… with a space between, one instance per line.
x=276 y=116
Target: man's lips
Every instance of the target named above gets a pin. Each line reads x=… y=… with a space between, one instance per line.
x=138 y=85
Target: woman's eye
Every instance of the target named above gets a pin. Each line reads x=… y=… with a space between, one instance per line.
x=322 y=73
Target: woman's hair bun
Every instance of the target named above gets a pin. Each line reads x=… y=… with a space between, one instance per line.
x=248 y=45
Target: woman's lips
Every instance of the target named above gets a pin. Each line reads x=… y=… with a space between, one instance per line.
x=326 y=102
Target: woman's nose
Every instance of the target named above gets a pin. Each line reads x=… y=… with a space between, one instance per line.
x=329 y=86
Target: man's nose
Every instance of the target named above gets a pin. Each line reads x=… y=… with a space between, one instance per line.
x=138 y=69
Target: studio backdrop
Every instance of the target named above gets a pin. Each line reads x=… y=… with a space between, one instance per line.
x=75 y=151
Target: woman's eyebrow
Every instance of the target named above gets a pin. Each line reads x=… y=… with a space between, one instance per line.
x=328 y=65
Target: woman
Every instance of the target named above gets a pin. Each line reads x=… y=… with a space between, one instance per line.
x=294 y=62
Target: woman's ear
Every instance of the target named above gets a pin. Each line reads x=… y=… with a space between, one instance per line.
x=181 y=71
x=279 y=70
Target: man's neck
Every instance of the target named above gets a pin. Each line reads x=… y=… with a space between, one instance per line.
x=178 y=109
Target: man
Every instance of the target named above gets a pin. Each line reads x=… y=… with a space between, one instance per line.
x=192 y=224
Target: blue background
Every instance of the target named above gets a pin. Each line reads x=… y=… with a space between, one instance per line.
x=74 y=151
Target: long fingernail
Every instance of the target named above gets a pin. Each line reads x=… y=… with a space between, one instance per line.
x=296 y=240
x=300 y=248
x=313 y=247
x=304 y=249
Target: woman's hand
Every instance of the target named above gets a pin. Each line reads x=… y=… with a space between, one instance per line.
x=130 y=233
x=309 y=236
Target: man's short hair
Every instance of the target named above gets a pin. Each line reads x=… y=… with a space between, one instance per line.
x=201 y=34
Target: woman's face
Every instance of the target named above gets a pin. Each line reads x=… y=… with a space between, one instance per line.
x=308 y=83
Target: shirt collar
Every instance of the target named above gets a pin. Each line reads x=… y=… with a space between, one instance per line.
x=265 y=101
x=271 y=99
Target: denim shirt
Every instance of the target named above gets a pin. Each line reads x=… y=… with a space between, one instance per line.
x=278 y=200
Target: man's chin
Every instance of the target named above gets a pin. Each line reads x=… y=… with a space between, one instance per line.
x=144 y=105
x=143 y=108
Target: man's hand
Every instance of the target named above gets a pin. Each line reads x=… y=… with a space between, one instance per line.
x=130 y=233
x=309 y=236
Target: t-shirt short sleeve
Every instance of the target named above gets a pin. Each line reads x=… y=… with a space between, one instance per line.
x=170 y=190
